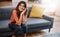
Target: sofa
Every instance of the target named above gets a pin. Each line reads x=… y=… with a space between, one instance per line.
x=33 y=24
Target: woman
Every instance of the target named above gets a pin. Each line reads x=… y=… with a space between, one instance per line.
x=18 y=19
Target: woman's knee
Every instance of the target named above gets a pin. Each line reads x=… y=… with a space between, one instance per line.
x=25 y=28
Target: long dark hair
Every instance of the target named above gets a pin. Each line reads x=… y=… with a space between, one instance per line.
x=19 y=12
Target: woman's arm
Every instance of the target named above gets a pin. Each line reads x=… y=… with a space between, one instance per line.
x=18 y=21
x=24 y=19
x=16 y=17
x=22 y=16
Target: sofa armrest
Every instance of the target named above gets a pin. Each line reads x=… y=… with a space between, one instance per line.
x=48 y=18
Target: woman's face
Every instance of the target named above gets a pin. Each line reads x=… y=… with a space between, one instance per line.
x=21 y=7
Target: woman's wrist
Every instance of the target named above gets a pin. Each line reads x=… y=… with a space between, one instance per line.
x=18 y=24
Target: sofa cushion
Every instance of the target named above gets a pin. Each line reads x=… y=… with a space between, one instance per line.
x=5 y=13
x=31 y=23
x=36 y=12
x=37 y=22
x=4 y=23
x=4 y=26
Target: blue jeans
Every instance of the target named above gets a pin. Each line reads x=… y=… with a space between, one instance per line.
x=18 y=29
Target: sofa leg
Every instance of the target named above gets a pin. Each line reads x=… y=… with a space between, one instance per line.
x=49 y=29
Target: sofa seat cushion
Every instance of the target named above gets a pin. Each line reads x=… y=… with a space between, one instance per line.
x=31 y=23
x=4 y=25
x=37 y=22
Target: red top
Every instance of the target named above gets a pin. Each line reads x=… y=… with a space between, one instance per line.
x=14 y=17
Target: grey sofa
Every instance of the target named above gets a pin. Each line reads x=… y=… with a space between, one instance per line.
x=33 y=24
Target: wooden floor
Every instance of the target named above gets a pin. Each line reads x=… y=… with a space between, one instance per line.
x=56 y=25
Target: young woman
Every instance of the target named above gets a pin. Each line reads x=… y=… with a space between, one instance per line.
x=18 y=19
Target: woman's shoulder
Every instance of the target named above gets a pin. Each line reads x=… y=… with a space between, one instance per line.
x=14 y=11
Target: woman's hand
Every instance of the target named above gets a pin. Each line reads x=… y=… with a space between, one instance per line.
x=23 y=11
x=18 y=24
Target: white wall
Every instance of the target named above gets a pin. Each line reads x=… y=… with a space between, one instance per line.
x=15 y=2
x=50 y=6
x=46 y=4
x=58 y=8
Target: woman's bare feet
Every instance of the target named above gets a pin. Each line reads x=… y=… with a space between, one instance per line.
x=25 y=35
x=13 y=36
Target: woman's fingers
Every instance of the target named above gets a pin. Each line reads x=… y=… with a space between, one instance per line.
x=23 y=11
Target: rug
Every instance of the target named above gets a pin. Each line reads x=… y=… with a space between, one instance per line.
x=52 y=35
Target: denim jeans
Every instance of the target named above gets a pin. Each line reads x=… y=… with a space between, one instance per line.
x=18 y=29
